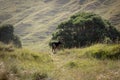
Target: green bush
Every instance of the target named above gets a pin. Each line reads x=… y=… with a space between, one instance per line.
x=7 y=35
x=84 y=29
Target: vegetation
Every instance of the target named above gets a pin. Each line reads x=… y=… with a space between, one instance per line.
x=96 y=62
x=7 y=35
x=105 y=52
x=85 y=29
x=48 y=15
x=76 y=64
x=82 y=63
x=23 y=64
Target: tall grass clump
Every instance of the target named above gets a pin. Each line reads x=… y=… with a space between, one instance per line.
x=104 y=51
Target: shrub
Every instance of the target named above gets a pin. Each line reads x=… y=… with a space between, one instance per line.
x=7 y=35
x=84 y=29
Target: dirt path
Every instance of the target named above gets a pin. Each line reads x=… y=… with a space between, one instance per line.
x=60 y=60
x=60 y=72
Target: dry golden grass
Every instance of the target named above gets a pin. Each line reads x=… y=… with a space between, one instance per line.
x=35 y=21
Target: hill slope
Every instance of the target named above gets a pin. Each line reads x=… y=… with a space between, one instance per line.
x=23 y=64
x=36 y=20
x=79 y=64
x=91 y=63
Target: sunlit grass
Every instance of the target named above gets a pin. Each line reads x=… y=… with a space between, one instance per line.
x=67 y=64
x=24 y=64
x=80 y=64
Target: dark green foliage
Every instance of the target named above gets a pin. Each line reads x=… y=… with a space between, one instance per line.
x=7 y=35
x=85 y=29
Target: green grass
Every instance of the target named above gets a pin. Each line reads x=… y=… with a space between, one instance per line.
x=82 y=64
x=24 y=64
x=105 y=51
x=99 y=51
x=68 y=64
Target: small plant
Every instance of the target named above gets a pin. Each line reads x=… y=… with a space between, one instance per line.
x=72 y=64
x=100 y=54
x=40 y=76
x=14 y=69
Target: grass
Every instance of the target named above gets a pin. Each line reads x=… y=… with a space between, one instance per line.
x=82 y=64
x=24 y=64
x=68 y=64
x=105 y=51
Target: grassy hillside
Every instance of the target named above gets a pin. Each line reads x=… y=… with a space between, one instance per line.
x=80 y=64
x=35 y=20
x=70 y=64
x=23 y=64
